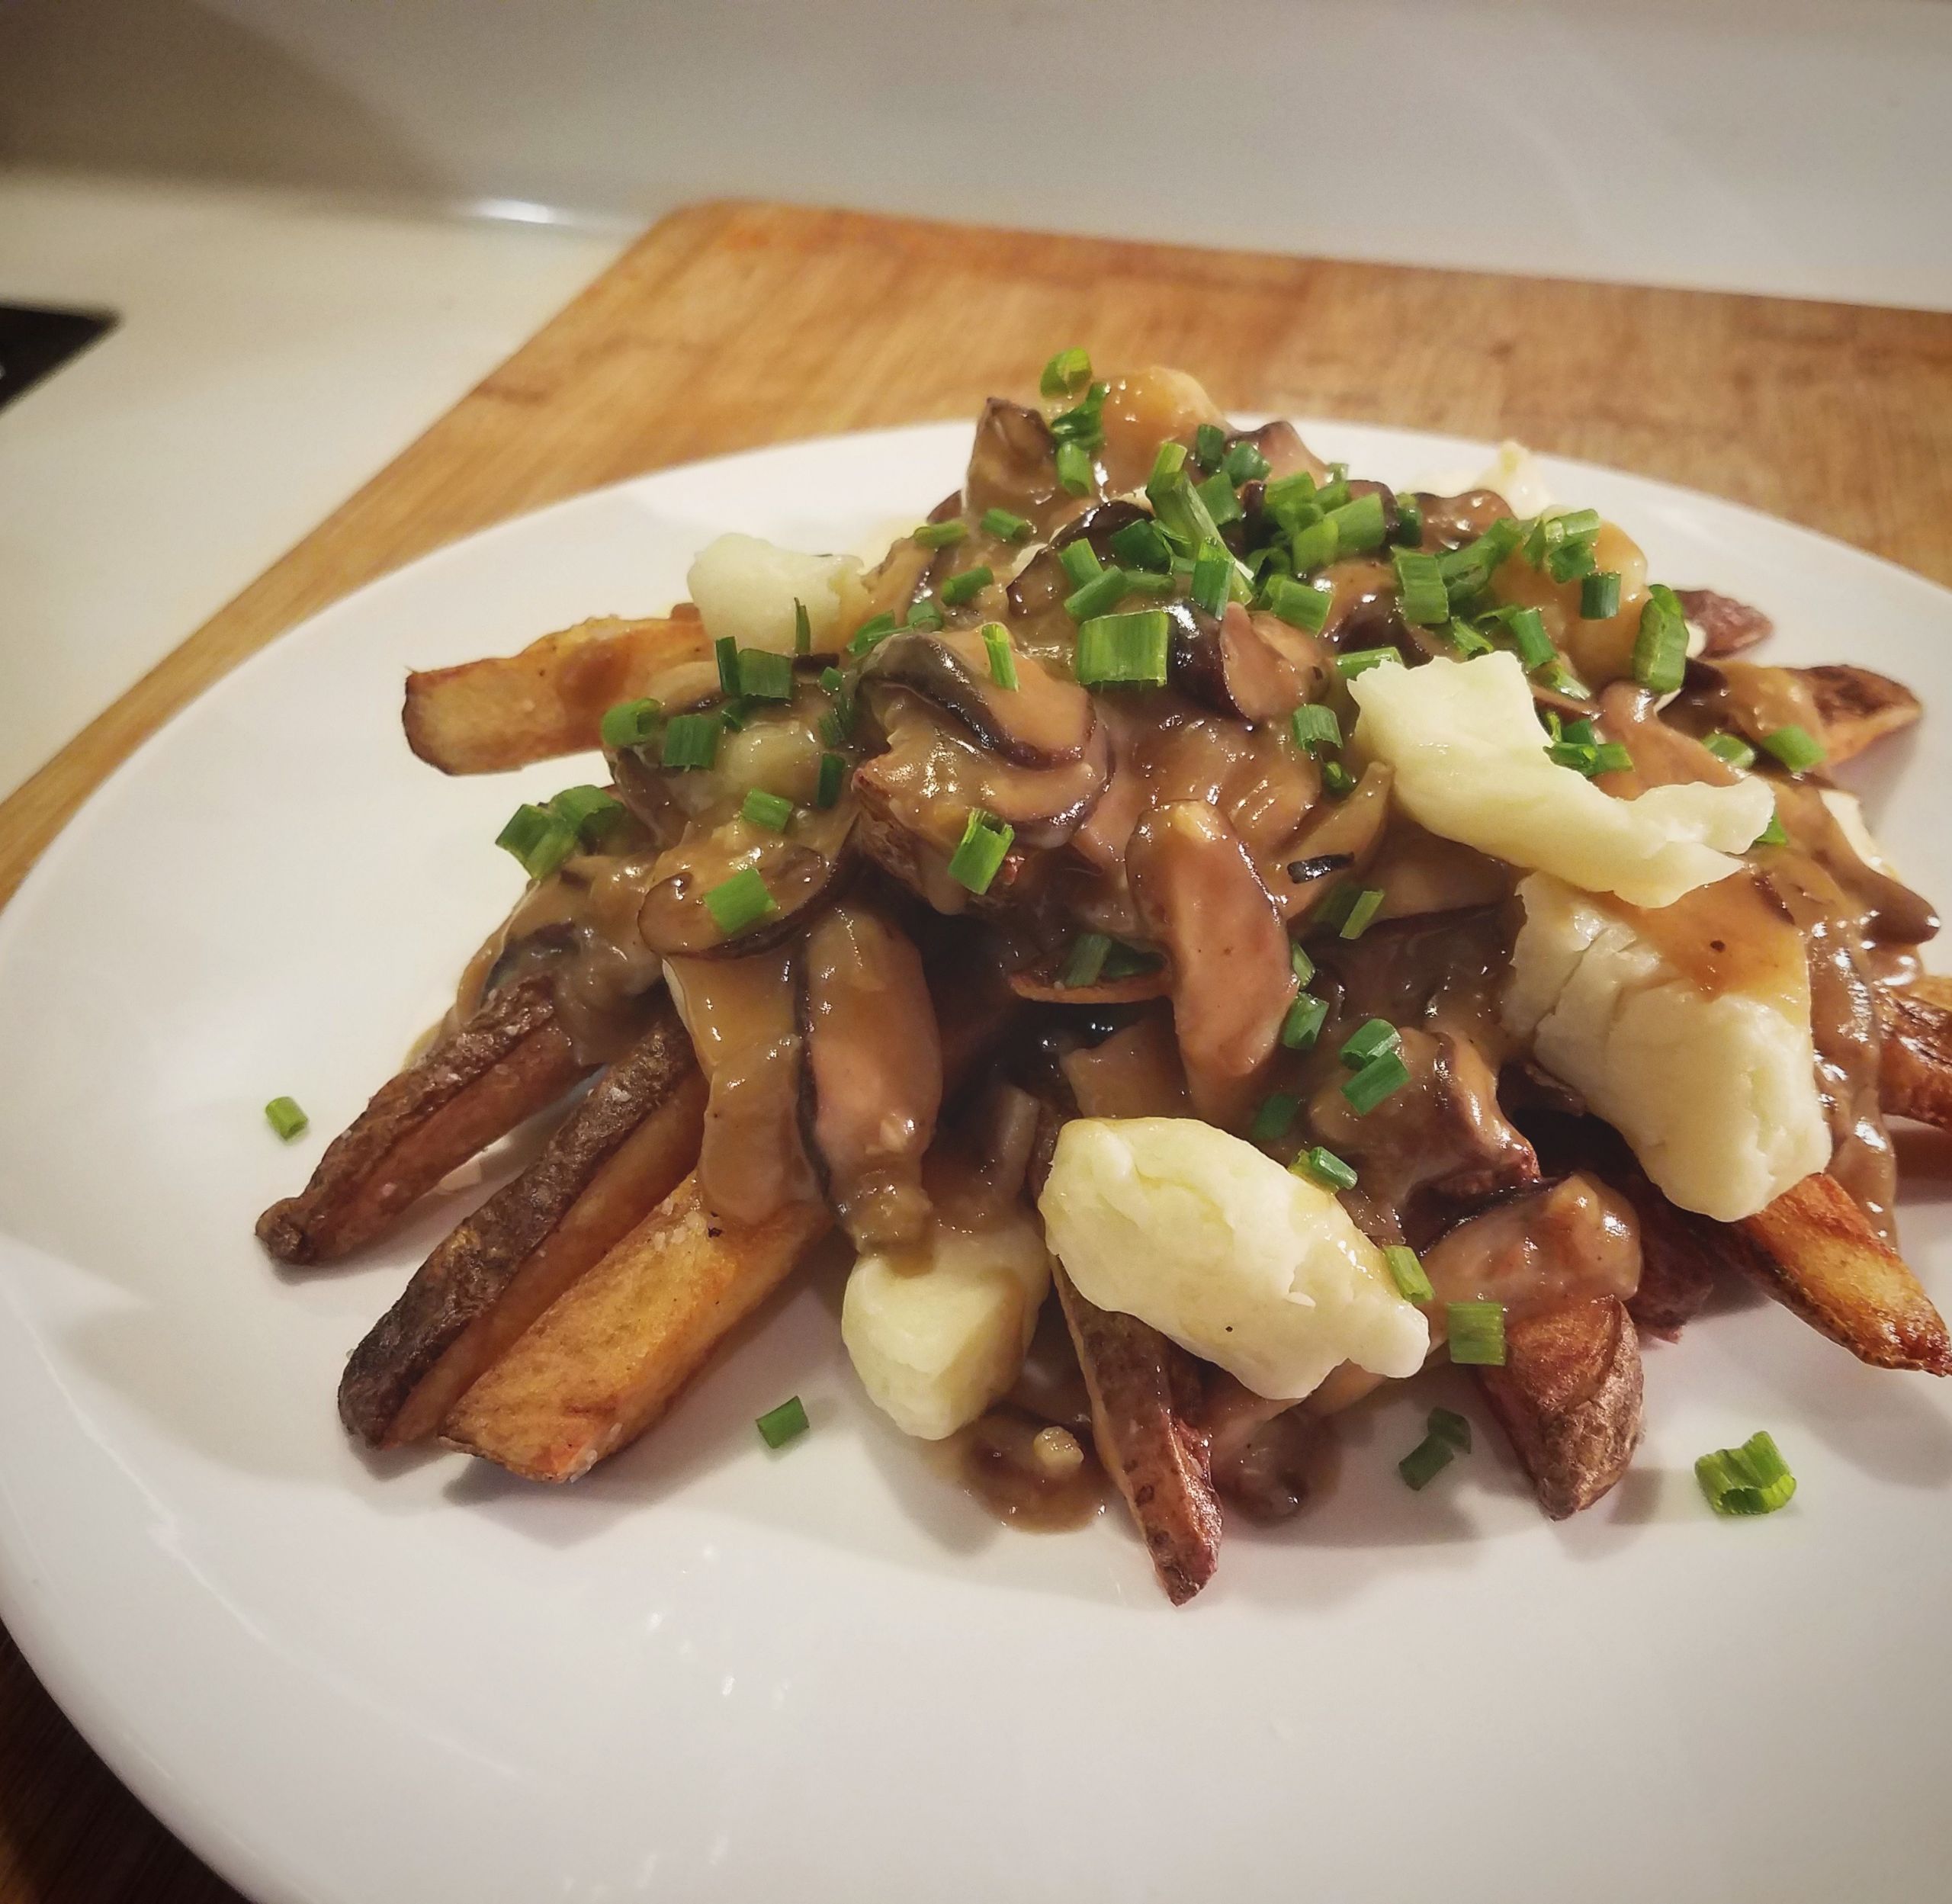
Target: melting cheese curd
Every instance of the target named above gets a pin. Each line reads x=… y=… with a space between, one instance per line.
x=746 y=588
x=1700 y=1057
x=1470 y=764
x=1217 y=1246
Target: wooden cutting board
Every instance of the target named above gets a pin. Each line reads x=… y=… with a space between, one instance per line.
x=728 y=326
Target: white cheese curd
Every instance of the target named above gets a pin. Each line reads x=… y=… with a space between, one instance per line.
x=745 y=587
x=1715 y=1091
x=1470 y=764
x=1217 y=1246
x=937 y=1335
x=1514 y=473
x=1848 y=811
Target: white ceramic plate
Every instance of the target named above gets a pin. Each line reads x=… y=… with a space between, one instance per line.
x=712 y=1672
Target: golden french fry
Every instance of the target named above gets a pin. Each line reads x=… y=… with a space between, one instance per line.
x=1569 y=1398
x=484 y=716
x=1814 y=1250
x=1858 y=707
x=604 y=1361
x=627 y=1146
x=1933 y=990
x=1915 y=1062
x=1144 y=1390
x=509 y=1061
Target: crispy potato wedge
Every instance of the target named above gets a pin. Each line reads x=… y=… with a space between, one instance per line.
x=485 y=717
x=1858 y=707
x=627 y=1146
x=509 y=1061
x=1814 y=1251
x=1568 y=1399
x=1914 y=1061
x=1144 y=1391
x=604 y=1361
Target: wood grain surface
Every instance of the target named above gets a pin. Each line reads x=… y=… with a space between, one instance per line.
x=732 y=325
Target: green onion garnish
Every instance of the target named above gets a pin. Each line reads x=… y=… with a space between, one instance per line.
x=1466 y=570
x=1143 y=545
x=1271 y=1121
x=1612 y=757
x=1303 y=1024
x=1084 y=424
x=1222 y=505
x=1285 y=496
x=1002 y=662
x=1102 y=593
x=1297 y=604
x=1407 y=1273
x=1773 y=834
x=690 y=740
x=940 y=535
x=1006 y=526
x=1313 y=546
x=771 y=811
x=1074 y=468
x=736 y=713
x=1085 y=961
x=630 y=723
x=833 y=680
x=1066 y=373
x=980 y=853
x=1570 y=560
x=1453 y=1427
x=1796 y=747
x=1213 y=578
x=802 y=629
x=740 y=901
x=1302 y=965
x=284 y=1116
x=1377 y=1079
x=965 y=586
x=1527 y=629
x=1466 y=640
x=1244 y=464
x=873 y=632
x=778 y=1426
x=924 y=615
x=833 y=776
x=1169 y=463
x=1123 y=648
x=1209 y=445
x=1315 y=728
x=1751 y=1479
x=1370 y=1039
x=1731 y=748
x=540 y=840
x=1599 y=597
x=588 y=809
x=1660 y=650
x=764 y=676
x=1337 y=779
x=1409 y=521
x=1325 y=1167
x=1424 y=601
x=727 y=652
x=1476 y=1330
x=1356 y=661
x=1079 y=560
x=1142 y=582
x=1359 y=523
x=1426 y=1460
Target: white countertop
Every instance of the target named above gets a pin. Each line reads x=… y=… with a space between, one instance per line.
x=273 y=353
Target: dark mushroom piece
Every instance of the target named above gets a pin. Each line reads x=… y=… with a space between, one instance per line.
x=1041 y=722
x=1251 y=665
x=800 y=876
x=1449 y=522
x=1013 y=465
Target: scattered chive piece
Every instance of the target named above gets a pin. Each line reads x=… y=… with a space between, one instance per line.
x=726 y=651
x=1209 y=445
x=771 y=811
x=1303 y=1025
x=1562 y=680
x=540 y=840
x=873 y=632
x=735 y=713
x=1102 y=593
x=1143 y=545
x=1285 y=496
x=1074 y=468
x=1143 y=582
x=1377 y=1079
x=1449 y=1425
x=1006 y=526
x=1576 y=525
x=764 y=676
x=1773 y=834
x=1300 y=963
x=1466 y=570
x=1751 y=1479
x=690 y=740
x=1582 y=756
x=740 y=901
x=1407 y=1273
x=1297 y=604
x=1660 y=650
x=1796 y=747
x=1079 y=560
x=1355 y=661
x=1476 y=1330
x=1338 y=778
x=1169 y=463
x=778 y=1426
x=1612 y=757
x=966 y=585
x=630 y=723
x=1409 y=521
x=940 y=535
x=1599 y=597
x=1731 y=748
x=1315 y=727
x=1084 y=424
x=1213 y=578
x=834 y=773
x=980 y=852
x=1085 y=962
x=284 y=1116
x=1527 y=627
x=1002 y=662
x=1313 y=547
x=1066 y=373
x=1570 y=561
x=1271 y=1121
x=1244 y=463
x=1122 y=961
x=1424 y=601
x=589 y=810
x=1426 y=1460
x=1325 y=1167
x=802 y=629
x=1370 y=1039
x=924 y=615
x=833 y=680
x=1466 y=640
x=1222 y=505
x=1115 y=648
x=1360 y=524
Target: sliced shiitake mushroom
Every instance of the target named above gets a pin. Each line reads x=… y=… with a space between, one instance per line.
x=1041 y=722
x=1013 y=465
x=1252 y=666
x=800 y=876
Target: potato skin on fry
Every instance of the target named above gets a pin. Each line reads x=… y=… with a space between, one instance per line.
x=1568 y=1399
x=1858 y=707
x=605 y=1360
x=529 y=1241
x=487 y=716
x=509 y=1061
x=1915 y=1060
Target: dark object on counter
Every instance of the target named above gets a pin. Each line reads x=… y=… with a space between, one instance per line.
x=35 y=344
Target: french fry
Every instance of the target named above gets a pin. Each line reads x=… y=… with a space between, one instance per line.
x=1915 y=1062
x=1857 y=707
x=509 y=1061
x=627 y=1146
x=1568 y=1399
x=485 y=717
x=1815 y=1252
x=604 y=1361
x=1145 y=1389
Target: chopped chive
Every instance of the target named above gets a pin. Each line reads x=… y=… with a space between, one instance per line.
x=1476 y=1330
x=1066 y=373
x=1466 y=570
x=1209 y=445
x=1773 y=834
x=965 y=586
x=1337 y=779
x=1612 y=757
x=1073 y=469
x=1005 y=526
x=873 y=632
x=1222 y=505
x=924 y=615
x=630 y=723
x=1142 y=545
x=1570 y=560
x=1527 y=627
x=540 y=840
x=1368 y=903
x=727 y=652
x=1424 y=601
x=1084 y=424
x=284 y=1116
x=1085 y=962
x=1102 y=593
x=833 y=680
x=1244 y=463
x=1303 y=1024
x=1409 y=521
x=1407 y=1273
x=771 y=811
x=735 y=713
x=1377 y=1079
x=1142 y=582
x=690 y=740
x=1356 y=661
x=1426 y=1461
x=1315 y=727
x=1796 y=747
x=764 y=676
x=940 y=535
x=1313 y=546
x=1284 y=495
x=1466 y=640
x=1599 y=597
x=980 y=853
x=740 y=901
x=778 y=1426
x=1325 y=1167
x=1123 y=648
x=1080 y=561
x=1123 y=961
x=1370 y=1039
x=1297 y=604
x=1751 y=1479
x=1002 y=662
x=588 y=809
x=1300 y=963
x=833 y=775
x=1359 y=524
x=1272 y=1121
x=1660 y=650
x=1730 y=747
x=802 y=629
x=1169 y=463
x=1213 y=578
x=1449 y=1425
